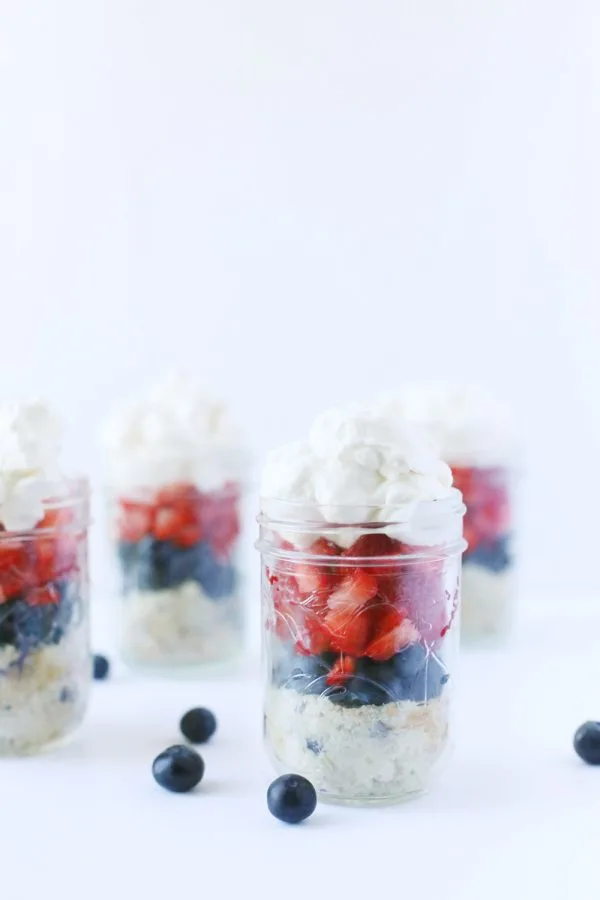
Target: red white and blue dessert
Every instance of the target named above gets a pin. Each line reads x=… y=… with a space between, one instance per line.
x=45 y=662
x=361 y=541
x=176 y=479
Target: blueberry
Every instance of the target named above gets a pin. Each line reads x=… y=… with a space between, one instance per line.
x=410 y=660
x=587 y=743
x=148 y=567
x=182 y=565
x=305 y=674
x=291 y=798
x=198 y=725
x=68 y=598
x=427 y=683
x=101 y=667
x=216 y=580
x=494 y=555
x=178 y=769
x=33 y=624
x=8 y=633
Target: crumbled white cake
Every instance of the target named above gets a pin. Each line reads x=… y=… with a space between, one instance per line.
x=367 y=754
x=179 y=626
x=45 y=700
x=487 y=602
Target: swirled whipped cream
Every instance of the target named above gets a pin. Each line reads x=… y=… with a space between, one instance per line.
x=174 y=433
x=30 y=445
x=358 y=465
x=467 y=425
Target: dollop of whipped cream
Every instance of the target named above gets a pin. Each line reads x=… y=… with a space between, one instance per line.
x=358 y=465
x=176 y=432
x=30 y=444
x=466 y=423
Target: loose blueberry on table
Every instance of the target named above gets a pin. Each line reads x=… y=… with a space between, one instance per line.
x=178 y=769
x=101 y=667
x=587 y=743
x=198 y=725
x=291 y=799
x=180 y=535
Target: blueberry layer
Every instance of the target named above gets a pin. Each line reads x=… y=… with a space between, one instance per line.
x=415 y=674
x=152 y=565
x=27 y=627
x=492 y=555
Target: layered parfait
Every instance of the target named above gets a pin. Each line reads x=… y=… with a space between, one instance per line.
x=361 y=536
x=176 y=467
x=45 y=663
x=476 y=436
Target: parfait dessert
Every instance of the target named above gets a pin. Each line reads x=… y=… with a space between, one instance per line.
x=176 y=470
x=476 y=437
x=45 y=663
x=361 y=537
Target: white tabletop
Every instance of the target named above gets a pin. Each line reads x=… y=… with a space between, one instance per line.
x=515 y=810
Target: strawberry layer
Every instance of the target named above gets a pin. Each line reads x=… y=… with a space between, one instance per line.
x=486 y=493
x=183 y=515
x=356 y=609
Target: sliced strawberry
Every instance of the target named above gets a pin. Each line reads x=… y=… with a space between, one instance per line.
x=392 y=632
x=177 y=494
x=220 y=521
x=354 y=592
x=14 y=569
x=313 y=637
x=135 y=521
x=55 y=557
x=56 y=518
x=189 y=535
x=348 y=630
x=341 y=671
x=169 y=521
x=424 y=597
x=316 y=578
x=375 y=544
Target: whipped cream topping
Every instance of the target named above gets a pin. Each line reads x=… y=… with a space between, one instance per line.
x=30 y=445
x=465 y=423
x=359 y=465
x=174 y=433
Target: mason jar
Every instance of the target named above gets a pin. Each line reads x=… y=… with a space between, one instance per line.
x=360 y=631
x=176 y=549
x=45 y=658
x=489 y=571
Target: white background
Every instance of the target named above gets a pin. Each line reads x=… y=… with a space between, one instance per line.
x=305 y=203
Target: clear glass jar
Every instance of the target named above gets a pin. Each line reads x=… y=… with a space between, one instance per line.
x=488 y=579
x=360 y=630
x=45 y=659
x=177 y=553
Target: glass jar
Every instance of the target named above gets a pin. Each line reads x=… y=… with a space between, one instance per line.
x=360 y=630
x=488 y=579
x=177 y=552
x=45 y=660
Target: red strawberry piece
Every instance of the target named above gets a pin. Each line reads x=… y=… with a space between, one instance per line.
x=341 y=671
x=169 y=521
x=285 y=597
x=178 y=494
x=354 y=592
x=42 y=596
x=313 y=636
x=317 y=578
x=347 y=619
x=14 y=569
x=55 y=557
x=135 y=521
x=375 y=544
x=425 y=598
x=220 y=520
x=189 y=535
x=392 y=632
x=348 y=630
x=56 y=518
